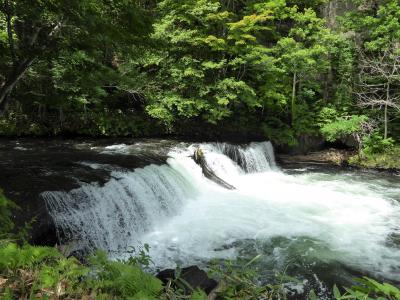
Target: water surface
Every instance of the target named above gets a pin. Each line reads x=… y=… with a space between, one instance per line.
x=320 y=226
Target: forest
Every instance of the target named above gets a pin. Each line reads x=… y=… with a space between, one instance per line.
x=120 y=121
x=279 y=70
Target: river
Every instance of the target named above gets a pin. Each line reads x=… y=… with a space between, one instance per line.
x=320 y=226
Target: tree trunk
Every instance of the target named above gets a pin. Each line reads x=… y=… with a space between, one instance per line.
x=61 y=117
x=386 y=122
x=386 y=110
x=85 y=113
x=294 y=97
x=10 y=33
x=11 y=81
x=358 y=139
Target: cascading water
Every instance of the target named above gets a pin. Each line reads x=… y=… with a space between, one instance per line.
x=113 y=216
x=316 y=223
x=257 y=157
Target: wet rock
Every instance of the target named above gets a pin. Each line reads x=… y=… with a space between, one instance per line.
x=192 y=276
x=305 y=144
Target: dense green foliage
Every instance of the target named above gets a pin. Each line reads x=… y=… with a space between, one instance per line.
x=275 y=69
x=40 y=272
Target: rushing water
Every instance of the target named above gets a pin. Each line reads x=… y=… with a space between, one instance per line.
x=321 y=227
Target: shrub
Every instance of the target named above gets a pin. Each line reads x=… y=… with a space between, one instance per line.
x=44 y=272
x=375 y=143
x=342 y=127
x=123 y=279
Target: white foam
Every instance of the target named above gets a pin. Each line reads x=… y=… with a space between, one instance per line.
x=188 y=219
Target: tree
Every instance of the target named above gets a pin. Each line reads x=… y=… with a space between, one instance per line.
x=301 y=63
x=304 y=53
x=375 y=25
x=375 y=30
x=41 y=30
x=379 y=82
x=203 y=67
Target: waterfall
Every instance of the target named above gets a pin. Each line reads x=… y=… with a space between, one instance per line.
x=256 y=157
x=305 y=220
x=112 y=217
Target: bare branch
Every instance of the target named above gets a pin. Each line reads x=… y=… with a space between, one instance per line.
x=379 y=80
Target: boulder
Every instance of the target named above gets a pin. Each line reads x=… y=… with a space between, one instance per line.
x=192 y=276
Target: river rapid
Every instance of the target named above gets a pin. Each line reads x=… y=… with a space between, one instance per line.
x=319 y=226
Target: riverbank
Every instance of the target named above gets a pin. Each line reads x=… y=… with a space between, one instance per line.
x=326 y=157
x=385 y=162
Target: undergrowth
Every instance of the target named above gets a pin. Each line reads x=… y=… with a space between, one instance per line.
x=30 y=272
x=388 y=159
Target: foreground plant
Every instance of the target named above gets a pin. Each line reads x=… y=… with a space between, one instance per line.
x=239 y=281
x=369 y=289
x=30 y=272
